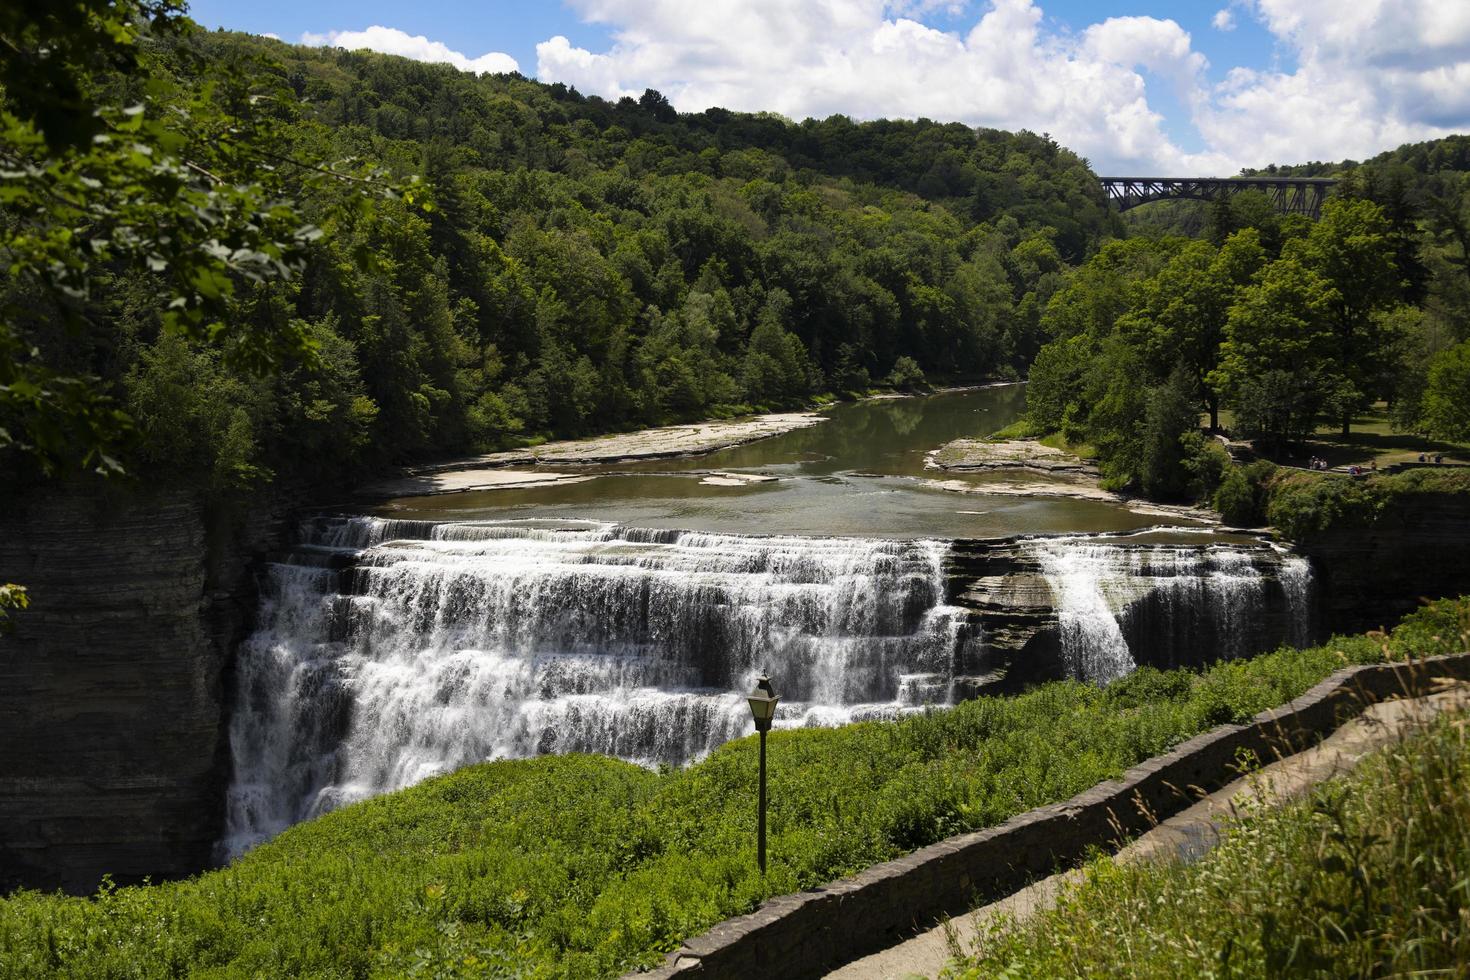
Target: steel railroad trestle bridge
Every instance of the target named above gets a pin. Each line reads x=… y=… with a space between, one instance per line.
x=1290 y=195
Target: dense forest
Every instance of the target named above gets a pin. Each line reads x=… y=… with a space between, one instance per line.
x=375 y=260
x=1287 y=323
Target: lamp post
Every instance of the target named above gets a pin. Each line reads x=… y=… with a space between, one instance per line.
x=763 y=708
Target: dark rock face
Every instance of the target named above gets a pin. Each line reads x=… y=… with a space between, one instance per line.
x=111 y=685
x=1371 y=578
x=1092 y=608
x=1005 y=588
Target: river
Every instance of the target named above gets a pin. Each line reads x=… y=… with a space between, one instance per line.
x=861 y=473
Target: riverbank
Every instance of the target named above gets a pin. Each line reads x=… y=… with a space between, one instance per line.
x=505 y=470
x=855 y=469
x=1004 y=463
x=557 y=463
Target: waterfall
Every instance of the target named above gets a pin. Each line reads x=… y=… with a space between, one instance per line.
x=1296 y=579
x=389 y=651
x=1092 y=641
x=1119 y=603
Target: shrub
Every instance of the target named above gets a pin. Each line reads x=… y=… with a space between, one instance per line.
x=1300 y=507
x=906 y=375
x=1169 y=437
x=1022 y=428
x=1446 y=404
x=1206 y=462
x=1304 y=504
x=1235 y=499
x=1243 y=493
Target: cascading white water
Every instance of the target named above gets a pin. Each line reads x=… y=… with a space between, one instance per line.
x=1187 y=602
x=389 y=651
x=1091 y=638
x=1295 y=573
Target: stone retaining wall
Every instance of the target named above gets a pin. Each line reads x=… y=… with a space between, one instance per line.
x=807 y=934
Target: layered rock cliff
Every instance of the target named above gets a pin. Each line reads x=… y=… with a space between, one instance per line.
x=1095 y=608
x=111 y=684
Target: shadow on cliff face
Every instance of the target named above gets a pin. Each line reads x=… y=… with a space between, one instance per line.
x=112 y=682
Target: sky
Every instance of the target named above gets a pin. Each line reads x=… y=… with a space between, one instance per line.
x=1139 y=87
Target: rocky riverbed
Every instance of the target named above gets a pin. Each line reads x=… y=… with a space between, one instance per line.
x=1057 y=473
x=978 y=455
x=506 y=470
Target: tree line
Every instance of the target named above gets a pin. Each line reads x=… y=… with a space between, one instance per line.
x=234 y=261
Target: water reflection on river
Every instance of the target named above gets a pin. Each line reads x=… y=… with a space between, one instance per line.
x=862 y=473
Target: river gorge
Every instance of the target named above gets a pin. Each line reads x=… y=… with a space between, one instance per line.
x=318 y=656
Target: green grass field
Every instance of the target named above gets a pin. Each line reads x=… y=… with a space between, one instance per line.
x=583 y=866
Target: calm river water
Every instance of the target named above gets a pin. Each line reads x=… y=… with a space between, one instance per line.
x=860 y=474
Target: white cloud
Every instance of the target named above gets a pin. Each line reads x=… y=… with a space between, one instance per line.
x=921 y=8
x=863 y=58
x=1161 y=46
x=390 y=40
x=1368 y=75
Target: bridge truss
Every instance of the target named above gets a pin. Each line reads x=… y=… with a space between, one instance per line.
x=1290 y=195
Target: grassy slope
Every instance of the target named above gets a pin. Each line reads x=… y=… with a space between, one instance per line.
x=581 y=866
x=1369 y=877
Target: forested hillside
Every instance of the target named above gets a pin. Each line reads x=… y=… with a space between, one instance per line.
x=1287 y=323
x=238 y=262
x=488 y=260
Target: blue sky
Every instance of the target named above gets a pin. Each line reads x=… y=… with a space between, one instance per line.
x=512 y=26
x=1136 y=85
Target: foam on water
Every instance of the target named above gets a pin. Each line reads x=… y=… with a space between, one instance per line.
x=446 y=644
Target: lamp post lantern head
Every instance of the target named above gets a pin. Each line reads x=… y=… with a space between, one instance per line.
x=762 y=702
